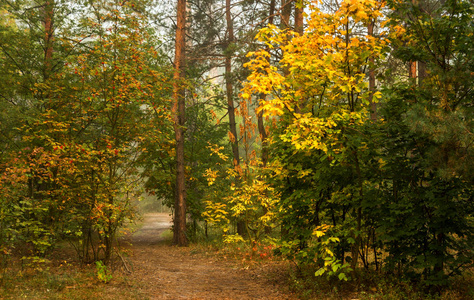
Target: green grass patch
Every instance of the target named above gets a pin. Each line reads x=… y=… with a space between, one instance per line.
x=167 y=235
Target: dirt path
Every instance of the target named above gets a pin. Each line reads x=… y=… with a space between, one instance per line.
x=167 y=272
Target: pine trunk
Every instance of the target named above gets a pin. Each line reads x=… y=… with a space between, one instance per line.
x=179 y=237
x=48 y=36
x=299 y=28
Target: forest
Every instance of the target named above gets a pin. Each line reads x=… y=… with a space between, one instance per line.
x=337 y=133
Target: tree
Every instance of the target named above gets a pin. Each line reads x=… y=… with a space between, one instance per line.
x=430 y=167
x=179 y=106
x=320 y=94
x=351 y=182
x=86 y=117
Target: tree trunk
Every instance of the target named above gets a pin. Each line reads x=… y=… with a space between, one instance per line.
x=234 y=140
x=263 y=133
x=48 y=36
x=358 y=240
x=285 y=12
x=179 y=236
x=413 y=65
x=229 y=86
x=261 y=125
x=262 y=97
x=299 y=28
x=412 y=70
x=372 y=104
x=272 y=12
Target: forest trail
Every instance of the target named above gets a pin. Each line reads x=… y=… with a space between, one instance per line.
x=167 y=272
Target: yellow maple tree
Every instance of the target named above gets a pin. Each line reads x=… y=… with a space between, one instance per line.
x=321 y=78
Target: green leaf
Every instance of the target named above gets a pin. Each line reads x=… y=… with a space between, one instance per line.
x=320 y=272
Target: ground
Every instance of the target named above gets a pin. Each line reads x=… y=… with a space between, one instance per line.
x=150 y=268
x=167 y=272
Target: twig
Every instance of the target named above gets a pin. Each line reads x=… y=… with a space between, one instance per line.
x=123 y=261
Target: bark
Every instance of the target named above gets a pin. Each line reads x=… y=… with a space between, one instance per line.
x=241 y=228
x=372 y=104
x=261 y=125
x=421 y=72
x=413 y=65
x=272 y=12
x=299 y=20
x=229 y=86
x=48 y=36
x=285 y=12
x=179 y=236
x=412 y=69
x=263 y=133
x=264 y=155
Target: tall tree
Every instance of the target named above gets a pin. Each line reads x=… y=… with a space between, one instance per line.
x=179 y=107
x=229 y=46
x=48 y=35
x=320 y=95
x=85 y=108
x=234 y=138
x=299 y=26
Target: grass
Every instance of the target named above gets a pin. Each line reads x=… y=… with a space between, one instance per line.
x=167 y=235
x=62 y=276
x=67 y=282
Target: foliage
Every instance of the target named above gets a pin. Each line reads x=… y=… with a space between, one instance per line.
x=203 y=129
x=358 y=168
x=393 y=185
x=252 y=201
x=319 y=92
x=103 y=273
x=71 y=169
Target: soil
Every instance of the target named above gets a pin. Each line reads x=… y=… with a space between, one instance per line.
x=168 y=272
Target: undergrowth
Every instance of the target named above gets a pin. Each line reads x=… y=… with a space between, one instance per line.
x=62 y=277
x=301 y=280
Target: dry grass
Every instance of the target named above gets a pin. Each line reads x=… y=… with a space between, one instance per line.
x=70 y=282
x=62 y=277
